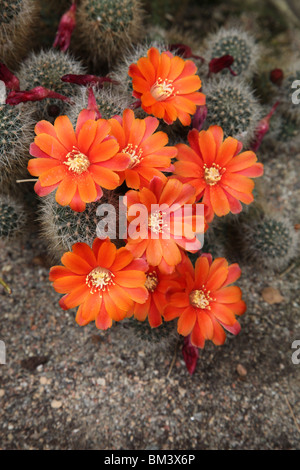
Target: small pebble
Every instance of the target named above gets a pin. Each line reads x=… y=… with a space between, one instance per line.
x=56 y=404
x=241 y=370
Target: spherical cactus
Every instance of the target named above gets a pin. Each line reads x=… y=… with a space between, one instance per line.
x=12 y=217
x=110 y=102
x=17 y=19
x=237 y=43
x=62 y=227
x=267 y=242
x=16 y=133
x=107 y=27
x=232 y=105
x=45 y=69
x=150 y=339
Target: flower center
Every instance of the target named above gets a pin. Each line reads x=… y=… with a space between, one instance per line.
x=156 y=222
x=162 y=89
x=200 y=298
x=99 y=280
x=77 y=161
x=213 y=174
x=151 y=282
x=135 y=154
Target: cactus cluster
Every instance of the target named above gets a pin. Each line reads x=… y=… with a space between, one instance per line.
x=45 y=68
x=109 y=37
x=107 y=27
x=12 y=217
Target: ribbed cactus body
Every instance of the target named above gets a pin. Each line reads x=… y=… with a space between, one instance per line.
x=12 y=218
x=45 y=69
x=232 y=105
x=107 y=27
x=16 y=133
x=237 y=43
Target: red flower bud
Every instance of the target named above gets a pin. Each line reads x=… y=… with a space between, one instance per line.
x=276 y=76
x=10 y=80
x=218 y=64
x=190 y=354
x=65 y=29
x=92 y=103
x=36 y=94
x=262 y=128
x=199 y=117
x=87 y=80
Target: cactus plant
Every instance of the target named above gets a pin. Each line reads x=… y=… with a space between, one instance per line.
x=12 y=217
x=231 y=104
x=237 y=43
x=46 y=68
x=17 y=19
x=16 y=131
x=151 y=339
x=265 y=242
x=107 y=27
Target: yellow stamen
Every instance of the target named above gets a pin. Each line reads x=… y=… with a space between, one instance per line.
x=135 y=154
x=77 y=161
x=213 y=174
x=201 y=298
x=99 y=279
x=162 y=89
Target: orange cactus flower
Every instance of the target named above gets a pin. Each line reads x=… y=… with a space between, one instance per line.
x=147 y=149
x=103 y=281
x=158 y=286
x=164 y=225
x=78 y=164
x=167 y=86
x=220 y=174
x=207 y=304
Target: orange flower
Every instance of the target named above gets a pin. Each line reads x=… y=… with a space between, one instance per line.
x=221 y=176
x=103 y=281
x=146 y=148
x=207 y=302
x=167 y=86
x=77 y=164
x=164 y=227
x=158 y=286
